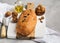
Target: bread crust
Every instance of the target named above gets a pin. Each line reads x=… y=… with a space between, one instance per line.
x=26 y=23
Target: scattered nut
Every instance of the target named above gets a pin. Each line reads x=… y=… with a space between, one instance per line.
x=41 y=19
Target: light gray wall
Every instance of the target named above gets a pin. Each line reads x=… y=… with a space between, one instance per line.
x=52 y=11
x=8 y=1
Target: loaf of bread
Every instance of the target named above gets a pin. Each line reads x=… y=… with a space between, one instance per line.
x=30 y=5
x=26 y=23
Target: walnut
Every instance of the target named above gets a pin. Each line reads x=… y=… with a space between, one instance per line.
x=14 y=17
x=7 y=14
x=14 y=14
x=41 y=19
x=40 y=10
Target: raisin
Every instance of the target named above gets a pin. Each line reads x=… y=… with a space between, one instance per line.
x=23 y=20
x=27 y=14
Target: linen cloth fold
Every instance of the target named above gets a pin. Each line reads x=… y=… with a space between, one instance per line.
x=4 y=7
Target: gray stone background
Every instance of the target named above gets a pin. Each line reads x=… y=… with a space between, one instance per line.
x=52 y=11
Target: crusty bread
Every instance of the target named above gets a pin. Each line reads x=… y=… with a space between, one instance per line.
x=30 y=5
x=26 y=23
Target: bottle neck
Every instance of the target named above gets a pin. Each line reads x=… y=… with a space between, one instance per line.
x=18 y=1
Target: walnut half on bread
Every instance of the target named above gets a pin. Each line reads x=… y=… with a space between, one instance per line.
x=26 y=23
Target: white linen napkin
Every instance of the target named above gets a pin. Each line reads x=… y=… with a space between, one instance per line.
x=3 y=9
